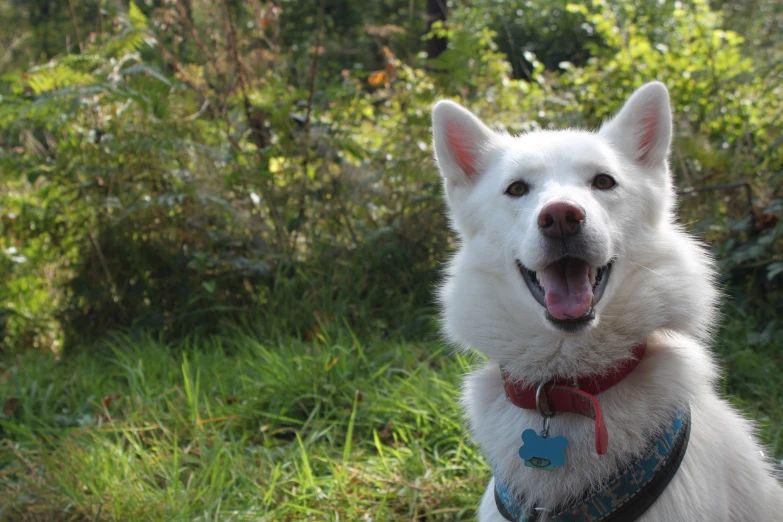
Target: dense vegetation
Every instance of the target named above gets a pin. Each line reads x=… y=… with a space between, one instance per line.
x=245 y=190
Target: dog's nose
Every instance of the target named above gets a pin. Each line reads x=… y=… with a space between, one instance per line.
x=561 y=219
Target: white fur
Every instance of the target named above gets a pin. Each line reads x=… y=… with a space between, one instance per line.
x=661 y=289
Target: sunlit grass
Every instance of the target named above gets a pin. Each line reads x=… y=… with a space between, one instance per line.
x=334 y=428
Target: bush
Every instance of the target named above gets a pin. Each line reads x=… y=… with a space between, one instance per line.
x=191 y=166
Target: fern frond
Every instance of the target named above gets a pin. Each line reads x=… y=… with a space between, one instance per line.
x=128 y=41
x=141 y=68
x=58 y=77
x=136 y=17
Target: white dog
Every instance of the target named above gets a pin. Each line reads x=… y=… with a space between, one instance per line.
x=576 y=283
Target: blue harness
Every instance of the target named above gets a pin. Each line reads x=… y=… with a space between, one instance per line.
x=625 y=497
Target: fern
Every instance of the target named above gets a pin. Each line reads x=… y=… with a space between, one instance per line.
x=85 y=62
x=56 y=77
x=142 y=68
x=136 y=17
x=128 y=41
x=133 y=37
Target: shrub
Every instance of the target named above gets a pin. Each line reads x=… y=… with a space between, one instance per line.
x=201 y=162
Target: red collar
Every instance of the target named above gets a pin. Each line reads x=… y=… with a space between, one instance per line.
x=575 y=395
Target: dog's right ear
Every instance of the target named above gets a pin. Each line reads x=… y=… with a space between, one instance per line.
x=460 y=140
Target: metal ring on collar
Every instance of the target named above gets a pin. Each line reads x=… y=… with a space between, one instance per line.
x=538 y=401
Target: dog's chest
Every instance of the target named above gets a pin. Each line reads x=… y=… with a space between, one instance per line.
x=497 y=427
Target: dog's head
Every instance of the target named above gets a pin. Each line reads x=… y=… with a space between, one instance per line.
x=568 y=239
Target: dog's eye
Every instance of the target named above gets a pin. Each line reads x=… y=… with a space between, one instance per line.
x=604 y=182
x=517 y=189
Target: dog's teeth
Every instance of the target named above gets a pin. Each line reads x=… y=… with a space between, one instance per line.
x=593 y=274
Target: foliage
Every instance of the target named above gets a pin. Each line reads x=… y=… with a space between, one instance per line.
x=728 y=125
x=187 y=164
x=164 y=200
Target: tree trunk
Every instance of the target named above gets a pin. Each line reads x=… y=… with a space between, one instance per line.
x=436 y=11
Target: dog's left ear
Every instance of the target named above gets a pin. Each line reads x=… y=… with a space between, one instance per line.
x=642 y=130
x=461 y=142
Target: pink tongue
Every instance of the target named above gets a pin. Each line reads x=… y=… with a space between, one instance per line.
x=569 y=293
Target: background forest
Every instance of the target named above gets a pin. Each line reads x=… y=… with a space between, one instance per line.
x=220 y=228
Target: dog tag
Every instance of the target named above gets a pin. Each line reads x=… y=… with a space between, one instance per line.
x=541 y=451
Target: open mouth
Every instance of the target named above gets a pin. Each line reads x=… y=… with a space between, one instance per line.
x=569 y=289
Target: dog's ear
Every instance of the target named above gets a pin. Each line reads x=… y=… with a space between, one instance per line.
x=460 y=140
x=642 y=129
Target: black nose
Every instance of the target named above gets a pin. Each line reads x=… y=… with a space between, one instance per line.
x=561 y=219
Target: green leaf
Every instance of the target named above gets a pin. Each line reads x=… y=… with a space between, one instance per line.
x=136 y=17
x=774 y=269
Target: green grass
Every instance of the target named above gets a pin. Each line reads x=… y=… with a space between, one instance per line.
x=334 y=428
